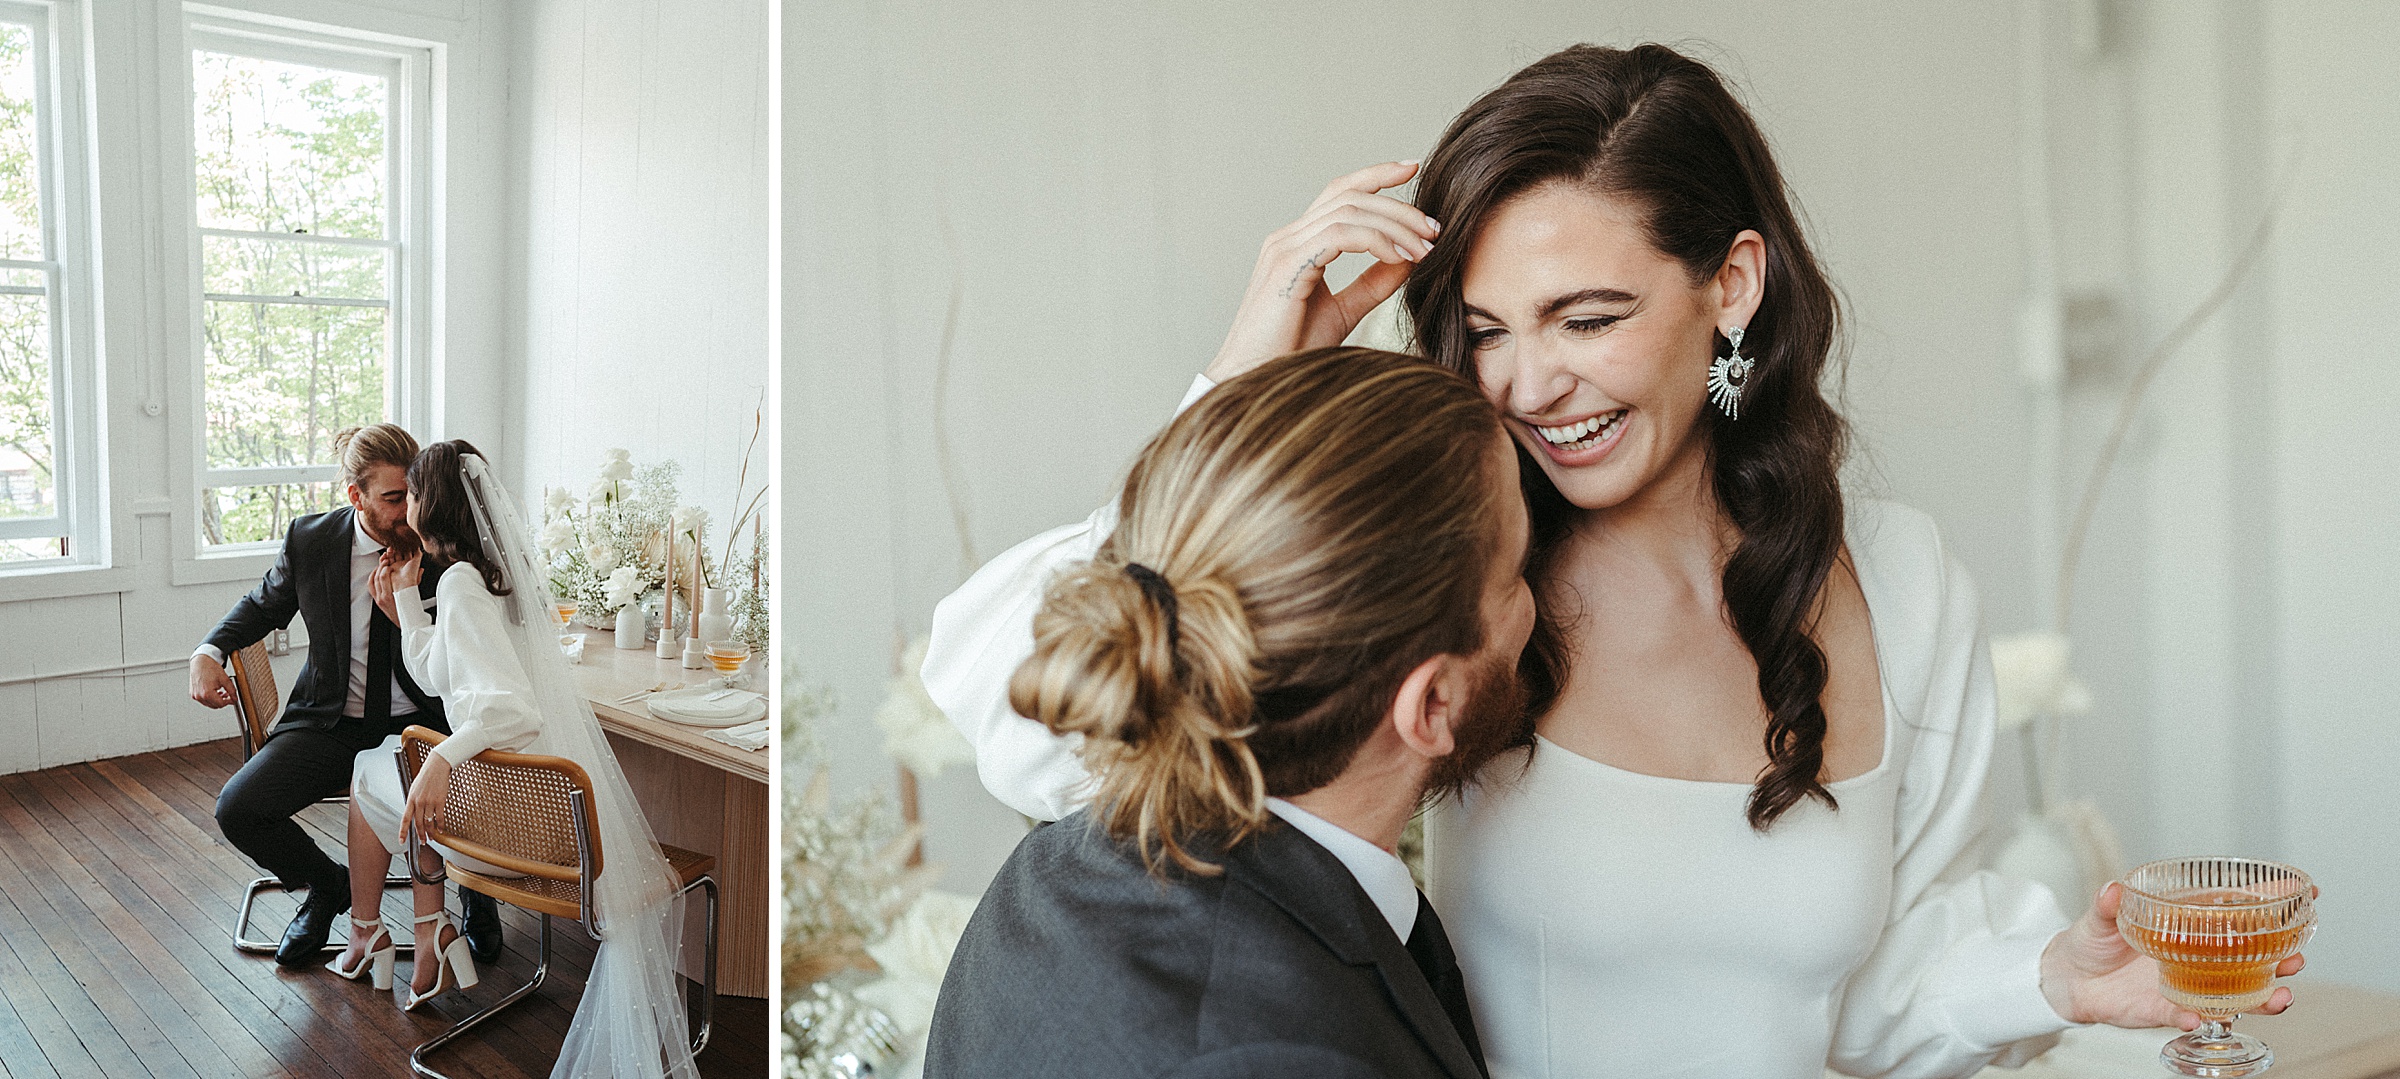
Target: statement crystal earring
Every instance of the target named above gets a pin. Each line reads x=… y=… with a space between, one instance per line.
x=1729 y=375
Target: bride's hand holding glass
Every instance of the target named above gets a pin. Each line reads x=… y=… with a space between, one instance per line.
x=1288 y=306
x=2091 y=975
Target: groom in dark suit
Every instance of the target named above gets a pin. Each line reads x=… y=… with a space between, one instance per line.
x=1194 y=925
x=352 y=692
x=1311 y=954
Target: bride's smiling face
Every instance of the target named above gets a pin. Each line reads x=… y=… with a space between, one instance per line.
x=1596 y=345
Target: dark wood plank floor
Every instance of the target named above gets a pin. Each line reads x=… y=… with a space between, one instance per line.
x=117 y=904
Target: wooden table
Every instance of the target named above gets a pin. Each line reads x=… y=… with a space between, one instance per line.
x=699 y=794
x=2333 y=1031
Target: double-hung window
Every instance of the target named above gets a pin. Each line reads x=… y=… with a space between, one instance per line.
x=308 y=171
x=50 y=492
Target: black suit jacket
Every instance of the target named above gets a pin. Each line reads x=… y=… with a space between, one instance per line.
x=311 y=578
x=1079 y=963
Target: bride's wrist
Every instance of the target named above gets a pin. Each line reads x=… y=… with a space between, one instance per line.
x=2058 y=979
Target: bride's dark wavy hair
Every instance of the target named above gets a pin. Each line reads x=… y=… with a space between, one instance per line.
x=1657 y=129
x=445 y=522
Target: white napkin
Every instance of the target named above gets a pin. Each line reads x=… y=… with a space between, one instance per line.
x=751 y=735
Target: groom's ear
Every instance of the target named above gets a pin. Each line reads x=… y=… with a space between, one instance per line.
x=1426 y=707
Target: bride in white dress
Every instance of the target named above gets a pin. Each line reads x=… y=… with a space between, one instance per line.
x=490 y=652
x=1745 y=843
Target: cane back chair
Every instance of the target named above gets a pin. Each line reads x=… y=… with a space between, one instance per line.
x=534 y=815
x=255 y=703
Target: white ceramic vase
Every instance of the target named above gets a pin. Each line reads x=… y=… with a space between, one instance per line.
x=716 y=619
x=630 y=627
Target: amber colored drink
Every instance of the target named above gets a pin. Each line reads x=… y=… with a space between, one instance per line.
x=2219 y=963
x=728 y=658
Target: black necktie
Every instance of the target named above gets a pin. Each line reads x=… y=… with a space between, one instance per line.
x=381 y=636
x=1430 y=947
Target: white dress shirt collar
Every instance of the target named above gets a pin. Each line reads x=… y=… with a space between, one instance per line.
x=362 y=543
x=1379 y=872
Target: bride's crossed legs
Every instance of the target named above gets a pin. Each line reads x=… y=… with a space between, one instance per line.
x=377 y=806
x=370 y=860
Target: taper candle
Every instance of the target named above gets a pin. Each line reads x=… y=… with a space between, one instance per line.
x=666 y=617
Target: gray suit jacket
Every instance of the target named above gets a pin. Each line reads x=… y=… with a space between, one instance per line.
x=1079 y=963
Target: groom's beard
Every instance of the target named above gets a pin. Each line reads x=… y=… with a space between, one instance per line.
x=400 y=540
x=1493 y=721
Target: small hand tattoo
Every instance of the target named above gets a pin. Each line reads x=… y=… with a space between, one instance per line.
x=1293 y=285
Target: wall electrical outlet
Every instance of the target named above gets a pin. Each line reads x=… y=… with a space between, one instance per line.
x=282 y=643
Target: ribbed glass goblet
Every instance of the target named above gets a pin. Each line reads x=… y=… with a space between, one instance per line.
x=2218 y=927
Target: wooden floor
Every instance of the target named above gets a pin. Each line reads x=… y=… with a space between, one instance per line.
x=117 y=904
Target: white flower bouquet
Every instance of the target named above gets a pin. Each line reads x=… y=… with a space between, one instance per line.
x=608 y=550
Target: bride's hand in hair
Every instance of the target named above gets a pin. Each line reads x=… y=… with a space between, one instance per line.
x=1288 y=306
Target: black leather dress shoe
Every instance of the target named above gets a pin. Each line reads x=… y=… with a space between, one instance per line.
x=304 y=939
x=483 y=925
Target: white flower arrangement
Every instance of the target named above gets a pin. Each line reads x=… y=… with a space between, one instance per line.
x=914 y=955
x=750 y=617
x=847 y=885
x=915 y=732
x=2034 y=675
x=608 y=551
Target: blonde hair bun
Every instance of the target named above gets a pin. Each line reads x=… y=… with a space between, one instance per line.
x=1312 y=523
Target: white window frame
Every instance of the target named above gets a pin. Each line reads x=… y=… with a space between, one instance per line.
x=410 y=226
x=77 y=452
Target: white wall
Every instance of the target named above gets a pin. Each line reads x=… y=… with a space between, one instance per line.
x=2329 y=781
x=2235 y=612
x=1098 y=178
x=638 y=278
x=135 y=615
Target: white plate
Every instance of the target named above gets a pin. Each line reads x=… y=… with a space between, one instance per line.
x=666 y=711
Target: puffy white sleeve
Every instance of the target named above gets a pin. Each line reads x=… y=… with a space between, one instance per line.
x=467 y=652
x=1954 y=983
x=982 y=632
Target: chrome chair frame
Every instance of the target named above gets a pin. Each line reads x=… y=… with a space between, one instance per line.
x=250 y=728
x=590 y=918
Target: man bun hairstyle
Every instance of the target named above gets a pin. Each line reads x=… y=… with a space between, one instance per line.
x=360 y=449
x=1285 y=553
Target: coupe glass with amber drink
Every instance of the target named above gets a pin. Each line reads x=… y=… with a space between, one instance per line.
x=728 y=656
x=2218 y=927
